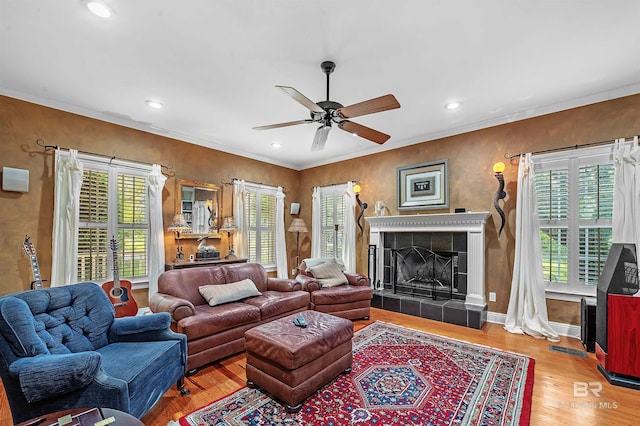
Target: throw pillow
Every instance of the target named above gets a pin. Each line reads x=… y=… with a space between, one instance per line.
x=217 y=294
x=328 y=274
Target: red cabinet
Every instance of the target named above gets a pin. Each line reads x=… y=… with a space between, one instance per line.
x=623 y=347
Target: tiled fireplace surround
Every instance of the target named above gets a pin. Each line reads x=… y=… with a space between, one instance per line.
x=458 y=232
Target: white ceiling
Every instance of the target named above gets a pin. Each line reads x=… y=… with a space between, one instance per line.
x=214 y=65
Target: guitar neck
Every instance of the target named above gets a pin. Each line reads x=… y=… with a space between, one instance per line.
x=37 y=279
x=116 y=269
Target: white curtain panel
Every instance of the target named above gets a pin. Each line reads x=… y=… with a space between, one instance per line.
x=156 y=227
x=316 y=223
x=281 y=241
x=527 y=311
x=626 y=198
x=68 y=182
x=240 y=237
x=349 y=231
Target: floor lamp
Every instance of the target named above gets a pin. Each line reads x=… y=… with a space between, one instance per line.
x=298 y=226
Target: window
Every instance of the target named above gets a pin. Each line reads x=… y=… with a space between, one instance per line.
x=574 y=193
x=260 y=205
x=332 y=214
x=113 y=204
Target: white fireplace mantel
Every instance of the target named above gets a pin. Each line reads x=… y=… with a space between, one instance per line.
x=472 y=223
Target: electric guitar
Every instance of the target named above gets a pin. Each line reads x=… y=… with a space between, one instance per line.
x=31 y=252
x=119 y=292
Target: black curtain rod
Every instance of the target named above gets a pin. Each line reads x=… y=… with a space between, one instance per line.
x=564 y=148
x=339 y=183
x=41 y=143
x=232 y=179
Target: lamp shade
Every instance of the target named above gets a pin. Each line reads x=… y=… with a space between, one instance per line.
x=179 y=224
x=298 y=225
x=228 y=225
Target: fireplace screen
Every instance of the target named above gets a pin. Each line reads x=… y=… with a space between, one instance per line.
x=419 y=271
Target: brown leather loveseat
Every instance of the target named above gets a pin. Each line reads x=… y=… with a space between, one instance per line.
x=333 y=291
x=215 y=332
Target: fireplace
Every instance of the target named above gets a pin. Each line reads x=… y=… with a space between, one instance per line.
x=430 y=266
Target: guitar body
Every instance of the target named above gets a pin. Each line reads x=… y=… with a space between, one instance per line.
x=119 y=291
x=121 y=298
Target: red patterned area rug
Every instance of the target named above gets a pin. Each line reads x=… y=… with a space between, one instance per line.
x=399 y=377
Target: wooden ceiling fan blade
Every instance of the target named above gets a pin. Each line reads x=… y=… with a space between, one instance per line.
x=383 y=103
x=288 y=123
x=301 y=99
x=364 y=132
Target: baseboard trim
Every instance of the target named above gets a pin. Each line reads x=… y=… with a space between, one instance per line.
x=562 y=329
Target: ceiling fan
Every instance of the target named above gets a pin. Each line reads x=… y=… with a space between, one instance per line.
x=328 y=112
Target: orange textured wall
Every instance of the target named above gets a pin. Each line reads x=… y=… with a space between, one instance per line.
x=472 y=183
x=470 y=156
x=22 y=123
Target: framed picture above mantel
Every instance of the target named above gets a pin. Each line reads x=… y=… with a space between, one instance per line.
x=423 y=186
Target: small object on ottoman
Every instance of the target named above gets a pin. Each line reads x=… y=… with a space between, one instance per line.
x=291 y=362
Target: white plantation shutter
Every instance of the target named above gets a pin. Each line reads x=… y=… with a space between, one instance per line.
x=260 y=216
x=93 y=239
x=332 y=213
x=113 y=203
x=596 y=188
x=133 y=226
x=552 y=196
x=574 y=192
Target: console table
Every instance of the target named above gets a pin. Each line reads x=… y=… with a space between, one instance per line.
x=201 y=263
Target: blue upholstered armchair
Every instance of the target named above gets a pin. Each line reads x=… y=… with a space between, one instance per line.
x=62 y=348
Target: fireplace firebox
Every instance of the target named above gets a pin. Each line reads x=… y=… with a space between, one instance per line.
x=418 y=271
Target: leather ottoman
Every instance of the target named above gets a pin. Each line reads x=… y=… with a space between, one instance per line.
x=291 y=362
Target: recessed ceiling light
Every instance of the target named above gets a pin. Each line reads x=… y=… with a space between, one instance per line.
x=154 y=104
x=452 y=105
x=275 y=145
x=99 y=8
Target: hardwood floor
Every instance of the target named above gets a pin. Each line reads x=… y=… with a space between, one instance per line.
x=553 y=394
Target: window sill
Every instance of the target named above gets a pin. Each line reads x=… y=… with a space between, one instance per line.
x=569 y=296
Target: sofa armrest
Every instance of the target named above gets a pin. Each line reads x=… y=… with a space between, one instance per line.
x=283 y=284
x=140 y=324
x=357 y=279
x=308 y=283
x=47 y=376
x=177 y=307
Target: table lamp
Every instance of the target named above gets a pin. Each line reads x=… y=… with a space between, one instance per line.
x=229 y=227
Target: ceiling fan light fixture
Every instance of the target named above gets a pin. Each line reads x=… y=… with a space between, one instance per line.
x=320 y=139
x=99 y=8
x=452 y=105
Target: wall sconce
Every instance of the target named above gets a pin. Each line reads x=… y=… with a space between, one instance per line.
x=498 y=168
x=363 y=207
x=298 y=226
x=229 y=227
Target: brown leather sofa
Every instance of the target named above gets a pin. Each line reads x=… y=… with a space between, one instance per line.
x=351 y=300
x=215 y=332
